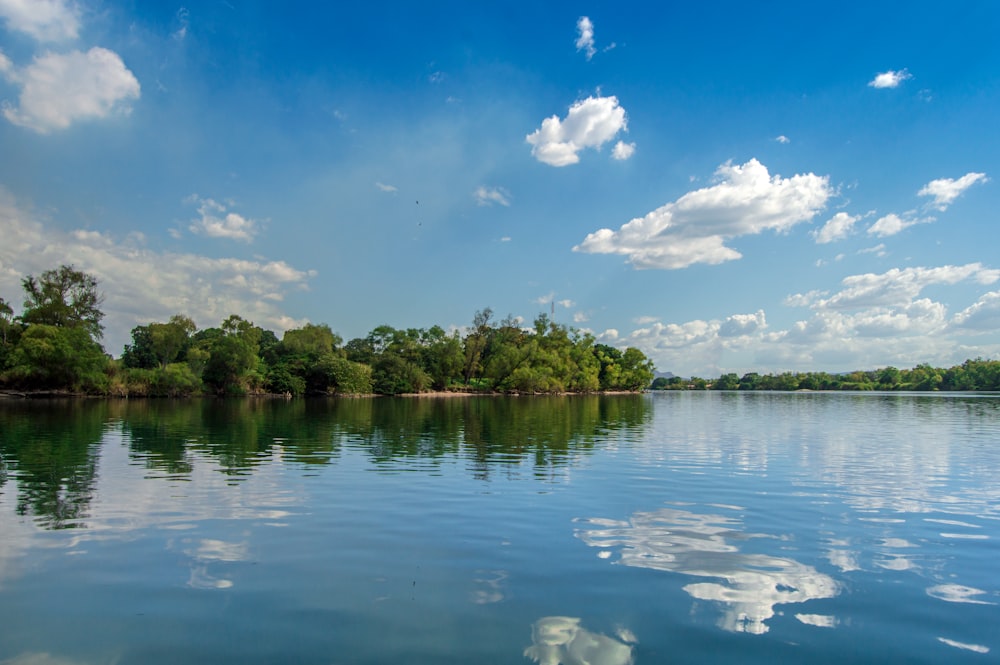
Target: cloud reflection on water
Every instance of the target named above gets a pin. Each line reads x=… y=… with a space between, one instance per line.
x=680 y=541
x=560 y=640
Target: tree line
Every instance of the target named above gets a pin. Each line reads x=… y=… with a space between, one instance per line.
x=55 y=345
x=978 y=374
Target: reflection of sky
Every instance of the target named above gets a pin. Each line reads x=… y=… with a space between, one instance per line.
x=38 y=658
x=563 y=641
x=976 y=648
x=748 y=584
x=126 y=502
x=914 y=472
x=490 y=588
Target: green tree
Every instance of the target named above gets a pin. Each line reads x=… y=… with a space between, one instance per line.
x=609 y=359
x=233 y=366
x=6 y=321
x=637 y=369
x=312 y=339
x=9 y=333
x=139 y=354
x=168 y=340
x=51 y=357
x=442 y=357
x=65 y=298
x=476 y=342
x=729 y=381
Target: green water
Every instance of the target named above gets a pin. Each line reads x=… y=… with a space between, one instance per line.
x=680 y=528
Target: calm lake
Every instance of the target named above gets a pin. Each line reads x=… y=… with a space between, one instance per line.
x=659 y=528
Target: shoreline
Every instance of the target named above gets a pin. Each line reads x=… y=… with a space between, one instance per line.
x=430 y=394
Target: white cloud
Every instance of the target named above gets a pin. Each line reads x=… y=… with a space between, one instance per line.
x=580 y=317
x=873 y=321
x=623 y=151
x=45 y=20
x=694 y=347
x=892 y=224
x=889 y=79
x=590 y=123
x=550 y=298
x=838 y=227
x=983 y=316
x=743 y=324
x=217 y=222
x=899 y=287
x=877 y=250
x=184 y=22
x=782 y=139
x=58 y=89
x=946 y=190
x=585 y=38
x=7 y=68
x=645 y=320
x=385 y=188
x=746 y=200
x=487 y=196
x=143 y=285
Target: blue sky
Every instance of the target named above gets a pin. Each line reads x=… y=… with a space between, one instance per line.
x=729 y=186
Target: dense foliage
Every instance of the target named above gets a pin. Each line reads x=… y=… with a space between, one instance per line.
x=978 y=374
x=54 y=345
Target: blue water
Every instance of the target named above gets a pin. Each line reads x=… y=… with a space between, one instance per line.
x=676 y=527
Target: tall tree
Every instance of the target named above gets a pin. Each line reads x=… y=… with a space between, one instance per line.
x=65 y=298
x=169 y=339
x=6 y=320
x=8 y=333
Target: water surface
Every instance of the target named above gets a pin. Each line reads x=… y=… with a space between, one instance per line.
x=678 y=527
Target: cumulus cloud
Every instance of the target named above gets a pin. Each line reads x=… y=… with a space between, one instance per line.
x=899 y=287
x=590 y=123
x=782 y=139
x=585 y=37
x=487 y=196
x=874 y=320
x=746 y=200
x=45 y=20
x=891 y=224
x=743 y=324
x=838 y=227
x=982 y=316
x=385 y=188
x=946 y=190
x=59 y=89
x=143 y=285
x=216 y=221
x=693 y=347
x=889 y=79
x=623 y=151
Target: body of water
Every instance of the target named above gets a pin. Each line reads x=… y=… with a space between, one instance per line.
x=663 y=528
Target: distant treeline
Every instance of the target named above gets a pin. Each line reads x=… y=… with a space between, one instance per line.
x=975 y=374
x=54 y=345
